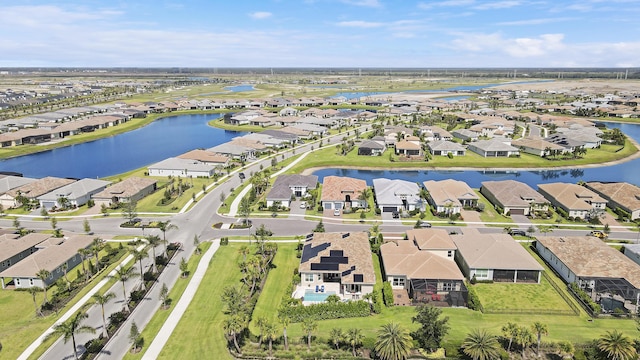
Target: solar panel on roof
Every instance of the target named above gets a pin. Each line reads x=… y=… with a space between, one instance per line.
x=358 y=278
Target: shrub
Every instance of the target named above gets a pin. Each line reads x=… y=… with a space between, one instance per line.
x=473 y=300
x=325 y=311
x=387 y=293
x=377 y=299
x=224 y=241
x=94 y=346
x=585 y=298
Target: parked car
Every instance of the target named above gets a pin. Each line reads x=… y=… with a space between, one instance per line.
x=241 y=176
x=336 y=212
x=423 y=224
x=518 y=232
x=395 y=214
x=599 y=234
x=303 y=205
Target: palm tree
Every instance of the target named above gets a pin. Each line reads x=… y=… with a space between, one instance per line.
x=154 y=240
x=355 y=337
x=165 y=226
x=70 y=328
x=509 y=331
x=139 y=256
x=524 y=338
x=96 y=245
x=393 y=343
x=33 y=291
x=261 y=322
x=309 y=325
x=244 y=250
x=123 y=274
x=43 y=275
x=65 y=269
x=480 y=345
x=336 y=336
x=234 y=325
x=84 y=253
x=196 y=243
x=102 y=300
x=616 y=346
x=270 y=330
x=540 y=329
x=284 y=320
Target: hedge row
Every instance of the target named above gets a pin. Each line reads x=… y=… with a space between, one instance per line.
x=585 y=299
x=326 y=311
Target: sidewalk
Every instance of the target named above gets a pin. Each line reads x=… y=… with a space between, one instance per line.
x=174 y=318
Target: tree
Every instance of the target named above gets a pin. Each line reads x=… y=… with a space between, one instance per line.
x=184 y=268
x=531 y=230
x=104 y=210
x=165 y=226
x=480 y=345
x=261 y=234
x=606 y=229
x=43 y=275
x=616 y=346
x=18 y=226
x=355 y=338
x=33 y=291
x=196 y=244
x=270 y=331
x=566 y=349
x=319 y=228
x=97 y=244
x=70 y=328
x=154 y=241
x=244 y=210
x=524 y=338
x=284 y=321
x=393 y=342
x=234 y=299
x=130 y=211
x=234 y=325
x=432 y=329
x=540 y=329
x=123 y=274
x=65 y=269
x=336 y=335
x=510 y=331
x=86 y=226
x=44 y=213
x=84 y=254
x=139 y=256
x=102 y=300
x=164 y=295
x=309 y=325
x=134 y=337
x=54 y=223
x=244 y=251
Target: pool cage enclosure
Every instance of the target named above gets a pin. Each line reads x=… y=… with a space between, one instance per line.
x=424 y=291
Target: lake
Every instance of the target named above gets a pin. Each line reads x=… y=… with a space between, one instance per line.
x=163 y=138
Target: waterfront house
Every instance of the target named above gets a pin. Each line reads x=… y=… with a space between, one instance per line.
x=33 y=190
x=342 y=193
x=577 y=201
x=444 y=148
x=512 y=197
x=181 y=168
x=72 y=195
x=493 y=148
x=450 y=196
x=287 y=186
x=371 y=148
x=129 y=190
x=397 y=195
x=619 y=195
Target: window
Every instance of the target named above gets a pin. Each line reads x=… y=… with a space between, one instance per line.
x=482 y=273
x=447 y=286
x=30 y=282
x=18 y=282
x=398 y=281
x=308 y=277
x=449 y=253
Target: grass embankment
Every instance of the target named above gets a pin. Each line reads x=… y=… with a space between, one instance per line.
x=159 y=318
x=328 y=158
x=19 y=326
x=199 y=333
x=520 y=297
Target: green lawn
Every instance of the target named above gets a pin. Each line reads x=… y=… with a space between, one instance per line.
x=152 y=328
x=509 y=296
x=199 y=333
x=489 y=214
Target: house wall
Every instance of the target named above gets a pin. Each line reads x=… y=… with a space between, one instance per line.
x=27 y=282
x=549 y=257
x=7 y=201
x=632 y=255
x=8 y=262
x=481 y=274
x=179 y=172
x=447 y=254
x=400 y=279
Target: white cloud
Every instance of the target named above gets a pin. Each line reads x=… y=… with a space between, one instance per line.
x=360 y=24
x=498 y=5
x=260 y=15
x=539 y=21
x=446 y=3
x=364 y=3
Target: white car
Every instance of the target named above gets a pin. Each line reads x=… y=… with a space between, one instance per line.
x=336 y=212
x=303 y=205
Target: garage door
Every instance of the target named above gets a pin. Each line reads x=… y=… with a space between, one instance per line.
x=328 y=206
x=389 y=209
x=517 y=211
x=48 y=204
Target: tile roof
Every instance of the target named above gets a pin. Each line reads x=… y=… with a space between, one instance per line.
x=337 y=187
x=449 y=191
x=204 y=156
x=493 y=251
x=572 y=196
x=402 y=257
x=40 y=187
x=625 y=194
x=11 y=182
x=76 y=189
x=431 y=239
x=513 y=193
x=281 y=189
x=11 y=245
x=588 y=256
x=407 y=145
x=539 y=144
x=445 y=145
x=393 y=192
x=126 y=188
x=354 y=246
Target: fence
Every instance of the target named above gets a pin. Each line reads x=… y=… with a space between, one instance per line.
x=563 y=295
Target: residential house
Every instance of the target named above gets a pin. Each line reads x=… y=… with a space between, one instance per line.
x=466 y=134
x=16 y=248
x=568 y=144
x=371 y=148
x=234 y=151
x=397 y=195
x=423 y=267
x=493 y=148
x=336 y=263
x=207 y=157
x=450 y=196
x=72 y=195
x=181 y=168
x=512 y=197
x=8 y=183
x=287 y=186
x=52 y=255
x=495 y=257
x=408 y=148
x=597 y=268
x=444 y=148
x=577 y=201
x=342 y=193
x=132 y=189
x=539 y=147
x=619 y=195
x=32 y=190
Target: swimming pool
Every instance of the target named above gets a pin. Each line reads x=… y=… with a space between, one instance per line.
x=317 y=296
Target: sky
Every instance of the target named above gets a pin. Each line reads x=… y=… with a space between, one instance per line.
x=320 y=33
